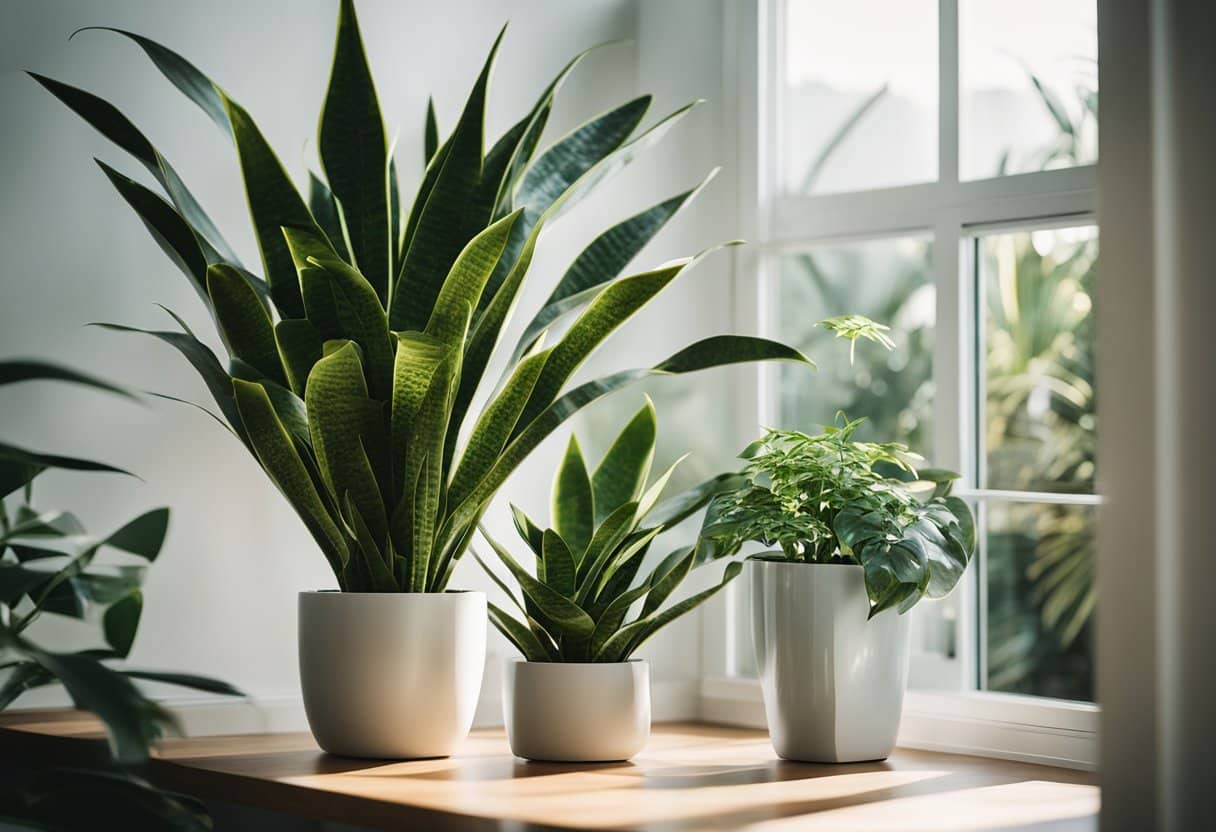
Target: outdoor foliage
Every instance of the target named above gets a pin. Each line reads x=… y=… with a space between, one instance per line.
x=582 y=603
x=832 y=499
x=49 y=564
x=355 y=362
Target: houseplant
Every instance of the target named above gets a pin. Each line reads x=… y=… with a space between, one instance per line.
x=49 y=565
x=355 y=362
x=580 y=615
x=863 y=536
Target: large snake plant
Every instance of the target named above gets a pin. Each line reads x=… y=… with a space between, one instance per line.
x=355 y=362
x=576 y=604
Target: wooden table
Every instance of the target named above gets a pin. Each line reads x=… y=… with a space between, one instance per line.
x=691 y=777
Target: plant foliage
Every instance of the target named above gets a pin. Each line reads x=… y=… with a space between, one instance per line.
x=355 y=358
x=831 y=499
x=584 y=601
x=49 y=564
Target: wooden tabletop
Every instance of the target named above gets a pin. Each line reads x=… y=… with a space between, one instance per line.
x=690 y=777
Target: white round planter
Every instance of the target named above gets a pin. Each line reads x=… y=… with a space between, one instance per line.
x=833 y=682
x=576 y=712
x=391 y=675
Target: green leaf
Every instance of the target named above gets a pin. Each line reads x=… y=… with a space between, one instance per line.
x=621 y=474
x=299 y=346
x=23 y=677
x=529 y=531
x=362 y=320
x=675 y=509
x=144 y=536
x=243 y=321
x=274 y=203
x=354 y=153
x=559 y=563
x=431 y=139
x=15 y=371
x=340 y=415
x=608 y=536
x=325 y=210
x=18 y=466
x=573 y=506
x=185 y=680
x=660 y=588
x=417 y=360
x=524 y=639
x=462 y=288
x=609 y=621
x=568 y=617
x=433 y=247
x=121 y=621
x=282 y=463
x=379 y=568
x=604 y=260
x=628 y=639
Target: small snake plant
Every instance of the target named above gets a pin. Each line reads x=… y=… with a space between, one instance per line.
x=575 y=605
x=356 y=356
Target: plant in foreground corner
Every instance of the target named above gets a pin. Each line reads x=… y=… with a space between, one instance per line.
x=576 y=605
x=831 y=499
x=356 y=357
x=49 y=564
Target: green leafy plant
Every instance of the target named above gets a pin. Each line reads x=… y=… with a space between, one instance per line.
x=583 y=603
x=355 y=363
x=49 y=564
x=831 y=499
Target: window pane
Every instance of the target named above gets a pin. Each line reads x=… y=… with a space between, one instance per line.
x=889 y=281
x=858 y=95
x=1041 y=597
x=1039 y=416
x=1028 y=79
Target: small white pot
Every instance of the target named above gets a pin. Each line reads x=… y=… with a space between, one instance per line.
x=391 y=675
x=833 y=682
x=576 y=712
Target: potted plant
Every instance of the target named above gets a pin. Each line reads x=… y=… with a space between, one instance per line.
x=577 y=694
x=863 y=536
x=356 y=357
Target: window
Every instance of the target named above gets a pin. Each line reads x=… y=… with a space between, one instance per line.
x=931 y=165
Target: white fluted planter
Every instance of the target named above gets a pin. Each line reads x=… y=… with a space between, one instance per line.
x=576 y=712
x=833 y=681
x=391 y=675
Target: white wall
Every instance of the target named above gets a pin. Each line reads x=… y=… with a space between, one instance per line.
x=221 y=600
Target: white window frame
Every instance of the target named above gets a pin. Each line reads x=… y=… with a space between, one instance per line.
x=1019 y=727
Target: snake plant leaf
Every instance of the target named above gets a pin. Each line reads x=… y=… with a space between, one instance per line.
x=521 y=636
x=614 y=305
x=532 y=534
x=629 y=638
x=396 y=230
x=132 y=722
x=433 y=247
x=662 y=587
x=650 y=497
x=622 y=472
x=462 y=288
x=678 y=508
x=604 y=260
x=361 y=319
x=181 y=73
x=431 y=133
x=324 y=208
x=378 y=568
x=558 y=563
x=354 y=153
x=499 y=582
x=573 y=507
x=14 y=371
x=568 y=617
x=120 y=622
x=610 y=620
x=634 y=545
x=171 y=232
x=111 y=123
x=274 y=203
x=493 y=427
x=18 y=466
x=282 y=462
x=243 y=321
x=715 y=351
x=299 y=346
x=418 y=357
x=608 y=536
x=200 y=356
x=338 y=414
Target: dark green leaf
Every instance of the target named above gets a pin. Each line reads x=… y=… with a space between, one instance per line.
x=121 y=621
x=573 y=506
x=14 y=371
x=621 y=474
x=559 y=563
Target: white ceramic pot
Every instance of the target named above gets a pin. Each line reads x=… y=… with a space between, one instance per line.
x=833 y=682
x=576 y=712
x=391 y=675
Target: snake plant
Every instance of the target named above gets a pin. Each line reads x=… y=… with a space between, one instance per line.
x=575 y=605
x=356 y=357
